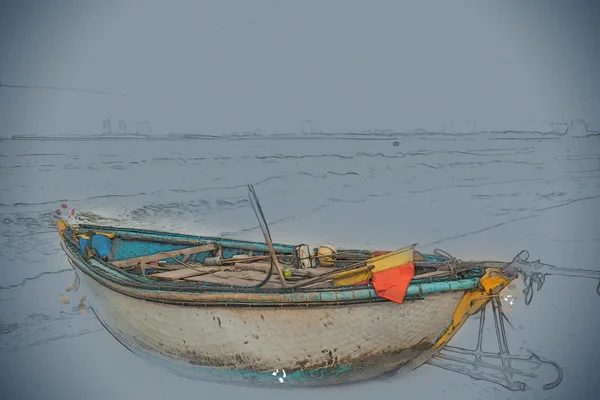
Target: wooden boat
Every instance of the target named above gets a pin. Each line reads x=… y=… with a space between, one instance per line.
x=212 y=308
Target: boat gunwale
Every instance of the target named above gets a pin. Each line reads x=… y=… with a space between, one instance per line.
x=161 y=236
x=233 y=296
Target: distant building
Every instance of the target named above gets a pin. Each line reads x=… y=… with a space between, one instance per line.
x=122 y=127
x=106 y=127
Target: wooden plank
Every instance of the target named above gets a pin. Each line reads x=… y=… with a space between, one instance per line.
x=131 y=262
x=230 y=281
x=262 y=267
x=305 y=272
x=321 y=270
x=179 y=274
x=245 y=278
x=224 y=275
x=222 y=272
x=249 y=275
x=233 y=274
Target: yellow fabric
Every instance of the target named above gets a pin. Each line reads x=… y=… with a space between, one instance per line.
x=350 y=278
x=392 y=260
x=380 y=263
x=492 y=283
x=61 y=226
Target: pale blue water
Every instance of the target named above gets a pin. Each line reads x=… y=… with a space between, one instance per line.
x=477 y=196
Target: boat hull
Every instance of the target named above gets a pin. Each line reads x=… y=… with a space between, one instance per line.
x=246 y=345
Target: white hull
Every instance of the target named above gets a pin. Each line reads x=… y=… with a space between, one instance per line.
x=335 y=344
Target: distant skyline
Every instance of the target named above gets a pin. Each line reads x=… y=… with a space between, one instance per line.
x=290 y=67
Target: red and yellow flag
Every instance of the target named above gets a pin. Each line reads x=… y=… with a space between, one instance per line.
x=391 y=274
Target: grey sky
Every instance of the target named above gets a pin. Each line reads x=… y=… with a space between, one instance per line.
x=222 y=67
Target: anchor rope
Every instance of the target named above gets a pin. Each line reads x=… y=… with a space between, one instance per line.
x=452 y=264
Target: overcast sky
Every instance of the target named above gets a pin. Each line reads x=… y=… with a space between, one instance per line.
x=233 y=66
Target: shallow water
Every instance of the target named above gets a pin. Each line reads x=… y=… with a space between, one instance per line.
x=477 y=196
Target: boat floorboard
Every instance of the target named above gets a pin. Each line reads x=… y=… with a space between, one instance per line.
x=241 y=278
x=178 y=274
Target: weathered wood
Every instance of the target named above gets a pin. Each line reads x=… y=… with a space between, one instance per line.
x=245 y=278
x=297 y=272
x=248 y=275
x=132 y=262
x=263 y=267
x=230 y=281
x=294 y=278
x=310 y=272
x=255 y=272
x=249 y=259
x=231 y=270
x=179 y=274
x=303 y=272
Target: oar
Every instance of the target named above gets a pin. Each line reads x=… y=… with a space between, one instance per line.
x=263 y=225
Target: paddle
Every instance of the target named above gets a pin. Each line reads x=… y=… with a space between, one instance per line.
x=263 y=225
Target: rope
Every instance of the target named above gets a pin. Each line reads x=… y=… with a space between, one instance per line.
x=452 y=264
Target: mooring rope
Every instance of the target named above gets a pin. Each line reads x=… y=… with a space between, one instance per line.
x=452 y=264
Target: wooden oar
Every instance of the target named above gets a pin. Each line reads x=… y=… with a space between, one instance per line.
x=263 y=224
